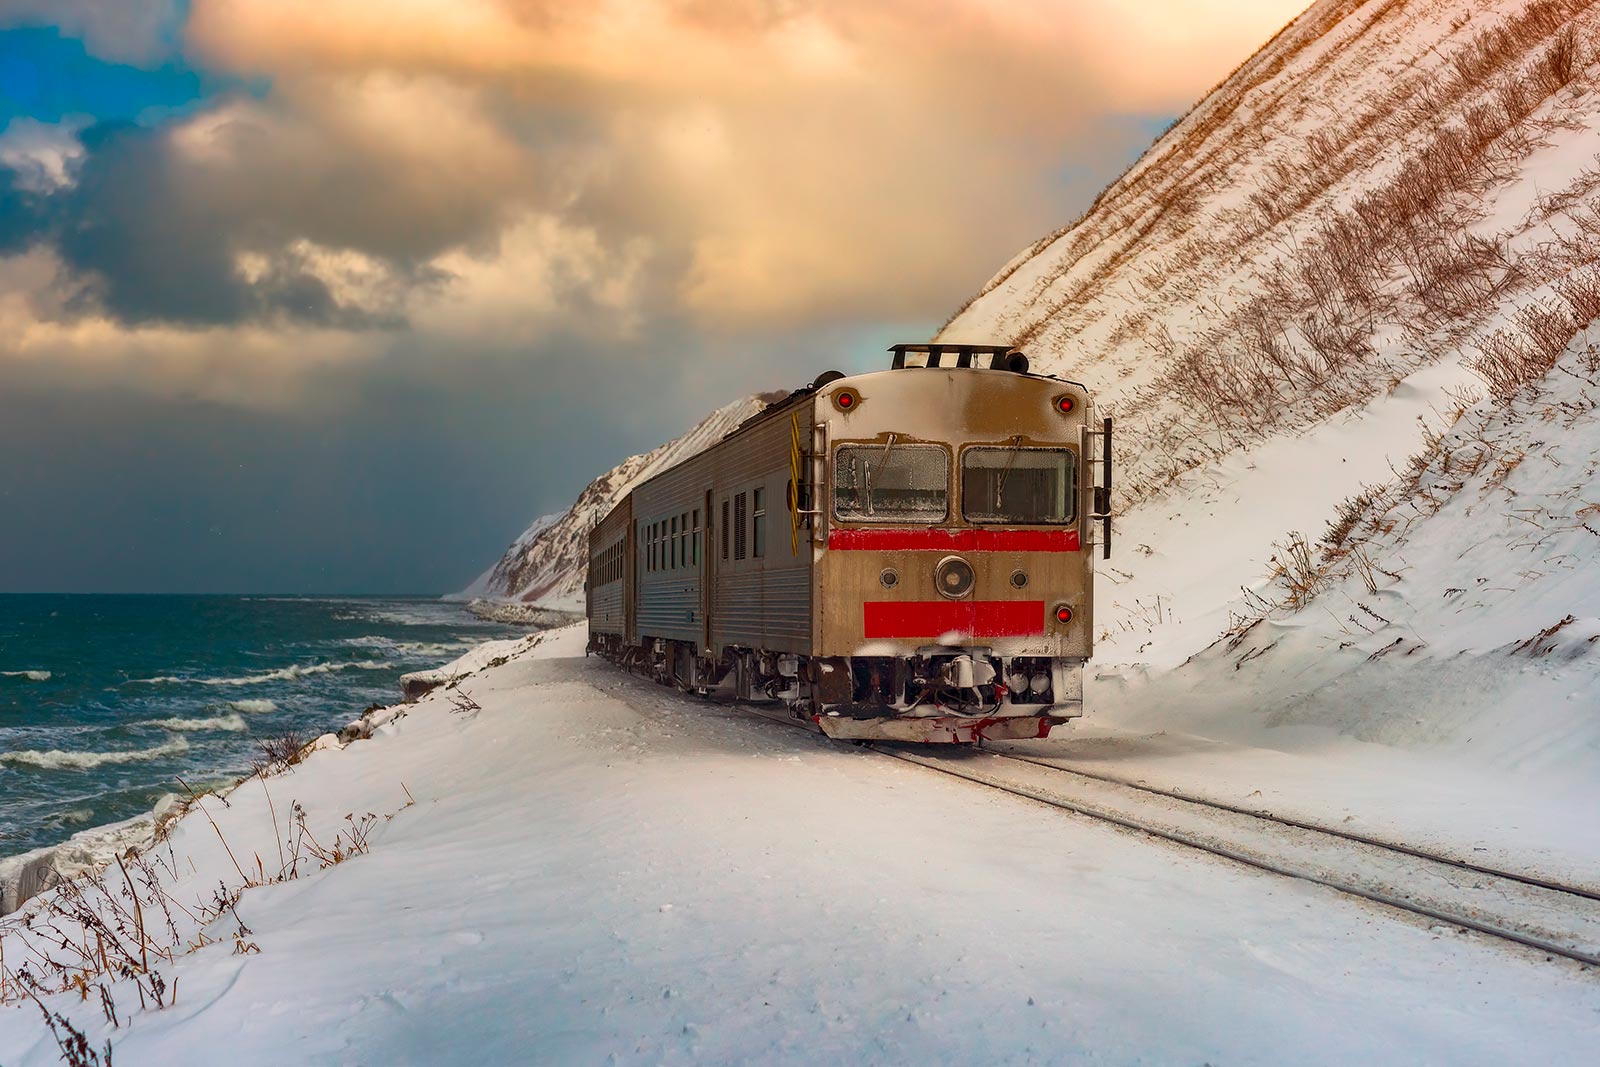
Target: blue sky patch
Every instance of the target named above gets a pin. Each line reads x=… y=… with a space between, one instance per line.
x=47 y=76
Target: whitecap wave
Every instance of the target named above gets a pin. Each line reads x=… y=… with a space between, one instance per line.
x=32 y=676
x=70 y=817
x=253 y=707
x=371 y=641
x=282 y=674
x=408 y=648
x=57 y=760
x=223 y=723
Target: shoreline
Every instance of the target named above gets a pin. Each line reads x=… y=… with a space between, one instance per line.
x=28 y=874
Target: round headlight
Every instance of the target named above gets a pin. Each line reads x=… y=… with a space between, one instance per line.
x=889 y=577
x=953 y=577
x=1019 y=579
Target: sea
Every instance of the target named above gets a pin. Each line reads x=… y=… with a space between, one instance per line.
x=107 y=702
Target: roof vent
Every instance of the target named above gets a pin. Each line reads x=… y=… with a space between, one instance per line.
x=981 y=357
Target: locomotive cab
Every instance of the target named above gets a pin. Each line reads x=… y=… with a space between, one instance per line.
x=954 y=577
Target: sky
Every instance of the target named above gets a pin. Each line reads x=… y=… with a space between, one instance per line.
x=337 y=295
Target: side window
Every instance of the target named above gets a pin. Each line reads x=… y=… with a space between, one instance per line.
x=724 y=529
x=758 y=533
x=694 y=549
x=738 y=525
x=672 y=544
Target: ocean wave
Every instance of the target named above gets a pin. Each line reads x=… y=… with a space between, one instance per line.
x=71 y=817
x=282 y=674
x=408 y=648
x=32 y=676
x=422 y=615
x=253 y=707
x=225 y=723
x=57 y=760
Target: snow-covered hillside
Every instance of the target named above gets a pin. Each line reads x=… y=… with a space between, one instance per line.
x=1386 y=217
x=545 y=566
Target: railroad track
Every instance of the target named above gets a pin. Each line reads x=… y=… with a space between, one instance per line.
x=1536 y=913
x=1561 y=921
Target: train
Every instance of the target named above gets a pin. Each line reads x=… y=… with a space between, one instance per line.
x=902 y=555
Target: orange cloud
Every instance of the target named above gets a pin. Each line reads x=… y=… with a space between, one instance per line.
x=475 y=169
x=824 y=158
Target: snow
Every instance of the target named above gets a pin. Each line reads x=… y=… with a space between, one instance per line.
x=474 y=659
x=599 y=870
x=570 y=865
x=1439 y=688
x=1181 y=560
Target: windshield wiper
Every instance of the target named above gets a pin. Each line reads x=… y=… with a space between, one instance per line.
x=882 y=461
x=1000 y=483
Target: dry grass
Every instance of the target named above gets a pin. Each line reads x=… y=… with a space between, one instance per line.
x=1540 y=332
x=1295 y=568
x=1346 y=516
x=279 y=753
x=120 y=926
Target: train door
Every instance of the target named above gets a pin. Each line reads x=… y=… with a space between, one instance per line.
x=703 y=542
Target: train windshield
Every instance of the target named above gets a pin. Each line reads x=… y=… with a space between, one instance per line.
x=1019 y=485
x=891 y=483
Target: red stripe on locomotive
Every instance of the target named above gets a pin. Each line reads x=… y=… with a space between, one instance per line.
x=930 y=618
x=954 y=540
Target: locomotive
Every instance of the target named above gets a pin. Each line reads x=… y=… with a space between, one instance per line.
x=901 y=555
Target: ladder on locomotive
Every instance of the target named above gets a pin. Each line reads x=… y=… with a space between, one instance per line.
x=1098 y=460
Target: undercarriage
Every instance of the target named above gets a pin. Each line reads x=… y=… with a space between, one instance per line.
x=936 y=694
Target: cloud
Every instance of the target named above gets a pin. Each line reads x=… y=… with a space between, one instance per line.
x=40 y=157
x=460 y=175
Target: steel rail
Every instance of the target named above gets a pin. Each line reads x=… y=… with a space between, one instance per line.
x=1177 y=837
x=1391 y=846
x=1464 y=922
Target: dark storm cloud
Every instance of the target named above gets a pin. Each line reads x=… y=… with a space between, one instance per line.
x=147 y=493
x=152 y=247
x=156 y=254
x=22 y=216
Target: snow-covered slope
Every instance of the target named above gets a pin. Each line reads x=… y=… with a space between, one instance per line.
x=1286 y=298
x=545 y=566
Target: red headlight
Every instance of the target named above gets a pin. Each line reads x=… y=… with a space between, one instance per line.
x=1063 y=614
x=845 y=400
x=1065 y=404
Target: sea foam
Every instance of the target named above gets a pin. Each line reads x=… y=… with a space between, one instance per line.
x=225 y=723
x=253 y=707
x=32 y=676
x=57 y=760
x=282 y=674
